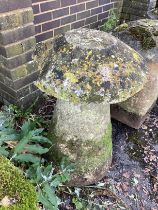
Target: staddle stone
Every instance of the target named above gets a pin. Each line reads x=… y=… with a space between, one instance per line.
x=142 y=35
x=86 y=71
x=82 y=134
x=92 y=66
x=134 y=110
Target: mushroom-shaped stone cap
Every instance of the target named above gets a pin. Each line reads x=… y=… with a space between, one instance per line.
x=88 y=65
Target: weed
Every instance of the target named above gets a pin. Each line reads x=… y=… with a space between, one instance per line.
x=111 y=23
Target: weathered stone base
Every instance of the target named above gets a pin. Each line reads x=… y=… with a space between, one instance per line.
x=82 y=134
x=91 y=178
x=125 y=117
x=134 y=110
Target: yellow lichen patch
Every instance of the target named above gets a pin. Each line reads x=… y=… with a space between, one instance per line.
x=122 y=27
x=90 y=53
x=130 y=68
x=71 y=76
x=97 y=79
x=136 y=56
x=88 y=87
x=39 y=84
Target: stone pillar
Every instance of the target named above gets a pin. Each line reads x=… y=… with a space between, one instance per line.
x=17 y=42
x=82 y=134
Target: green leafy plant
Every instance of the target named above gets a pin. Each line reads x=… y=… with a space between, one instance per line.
x=24 y=148
x=16 y=116
x=111 y=23
x=24 y=145
x=48 y=183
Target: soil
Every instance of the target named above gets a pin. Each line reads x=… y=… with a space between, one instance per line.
x=134 y=170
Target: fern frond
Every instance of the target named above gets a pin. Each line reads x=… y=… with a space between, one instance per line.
x=28 y=158
x=40 y=139
x=36 y=149
x=21 y=145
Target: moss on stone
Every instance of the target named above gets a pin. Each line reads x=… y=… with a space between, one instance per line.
x=15 y=187
x=100 y=153
x=144 y=32
x=137 y=148
x=86 y=156
x=121 y=27
x=16 y=49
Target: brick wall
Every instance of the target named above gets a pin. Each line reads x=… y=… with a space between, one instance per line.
x=52 y=17
x=17 y=42
x=23 y=23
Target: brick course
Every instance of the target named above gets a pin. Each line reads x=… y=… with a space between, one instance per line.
x=52 y=17
x=17 y=42
x=24 y=23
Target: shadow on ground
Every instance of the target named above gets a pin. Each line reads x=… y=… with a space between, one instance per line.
x=133 y=175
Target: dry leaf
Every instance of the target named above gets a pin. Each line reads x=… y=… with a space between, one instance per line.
x=126 y=175
x=6 y=201
x=137 y=175
x=153 y=157
x=124 y=187
x=11 y=144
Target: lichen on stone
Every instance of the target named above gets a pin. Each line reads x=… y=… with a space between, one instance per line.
x=89 y=65
x=121 y=27
x=144 y=30
x=15 y=188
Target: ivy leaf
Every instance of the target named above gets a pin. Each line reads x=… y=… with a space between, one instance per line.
x=77 y=203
